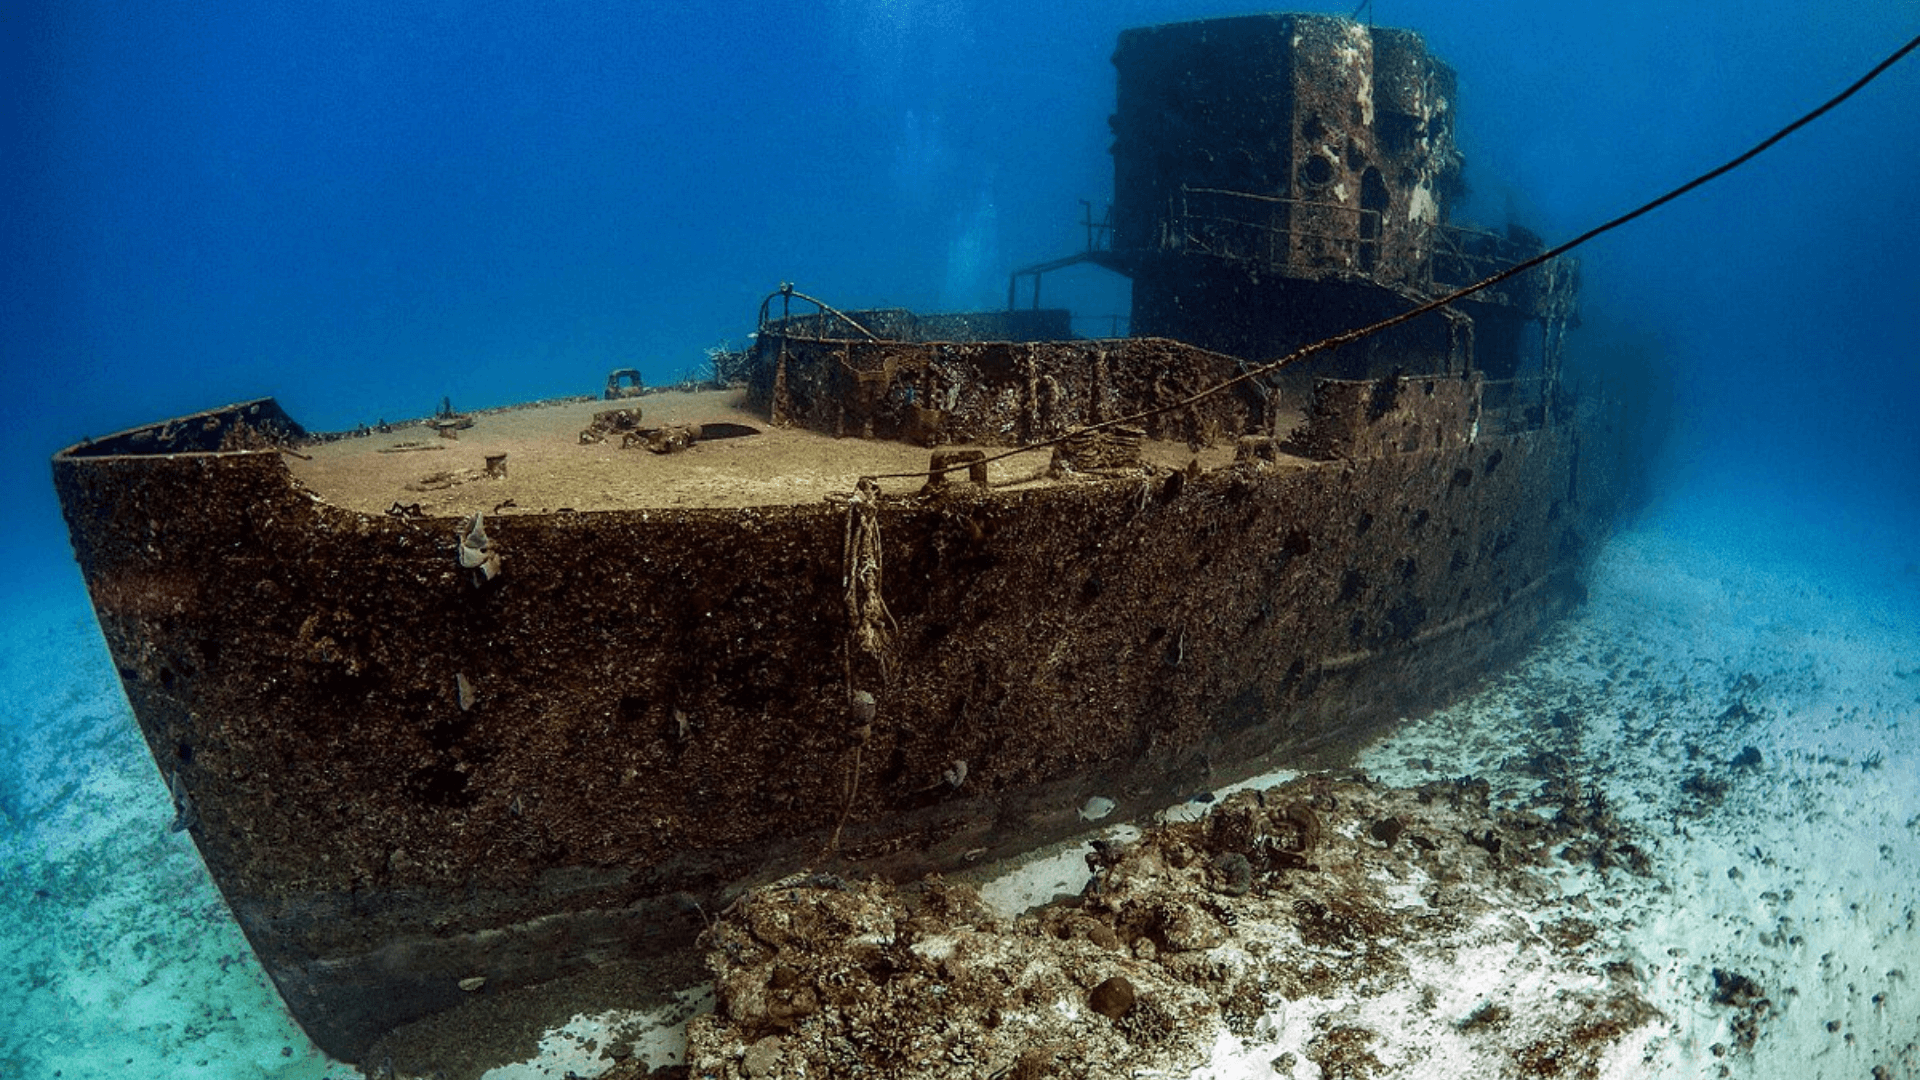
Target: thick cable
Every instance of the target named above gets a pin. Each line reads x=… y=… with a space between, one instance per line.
x=1350 y=336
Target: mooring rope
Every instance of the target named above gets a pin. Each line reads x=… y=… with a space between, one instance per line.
x=871 y=623
x=1348 y=337
x=870 y=628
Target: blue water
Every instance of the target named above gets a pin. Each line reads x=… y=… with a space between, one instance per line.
x=360 y=207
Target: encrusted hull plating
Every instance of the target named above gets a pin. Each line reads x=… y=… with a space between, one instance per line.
x=402 y=776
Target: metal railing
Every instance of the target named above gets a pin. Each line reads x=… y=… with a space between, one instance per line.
x=1099 y=233
x=1457 y=255
x=1509 y=406
x=1102 y=326
x=1273 y=230
x=1302 y=235
x=812 y=325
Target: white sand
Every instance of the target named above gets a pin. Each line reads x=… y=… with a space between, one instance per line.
x=117 y=956
x=1800 y=876
x=1796 y=872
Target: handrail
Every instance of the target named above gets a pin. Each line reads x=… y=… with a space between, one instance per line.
x=1457 y=243
x=1444 y=256
x=1099 y=233
x=1273 y=240
x=787 y=293
x=1360 y=213
x=1253 y=196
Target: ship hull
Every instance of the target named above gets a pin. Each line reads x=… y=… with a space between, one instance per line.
x=404 y=775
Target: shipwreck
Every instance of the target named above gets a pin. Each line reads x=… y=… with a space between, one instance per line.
x=474 y=702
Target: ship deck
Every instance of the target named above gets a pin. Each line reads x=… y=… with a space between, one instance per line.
x=548 y=468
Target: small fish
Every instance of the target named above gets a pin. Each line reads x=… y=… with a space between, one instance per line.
x=1096 y=807
x=184 y=815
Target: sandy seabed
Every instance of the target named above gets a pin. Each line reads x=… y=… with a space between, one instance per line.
x=1754 y=729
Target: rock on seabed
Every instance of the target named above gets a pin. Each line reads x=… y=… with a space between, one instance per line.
x=1448 y=947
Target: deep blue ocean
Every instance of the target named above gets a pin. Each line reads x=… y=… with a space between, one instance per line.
x=360 y=208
